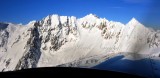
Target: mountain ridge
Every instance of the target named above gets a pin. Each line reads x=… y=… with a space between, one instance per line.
x=57 y=40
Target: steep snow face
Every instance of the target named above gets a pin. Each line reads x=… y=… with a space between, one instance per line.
x=134 y=36
x=57 y=40
x=6 y=32
x=11 y=45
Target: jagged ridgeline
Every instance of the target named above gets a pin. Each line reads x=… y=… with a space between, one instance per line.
x=70 y=41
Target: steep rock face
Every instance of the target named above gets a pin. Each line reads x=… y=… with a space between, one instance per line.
x=32 y=50
x=57 y=40
x=54 y=31
x=154 y=40
x=4 y=38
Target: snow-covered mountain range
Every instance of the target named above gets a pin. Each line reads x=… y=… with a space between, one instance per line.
x=68 y=41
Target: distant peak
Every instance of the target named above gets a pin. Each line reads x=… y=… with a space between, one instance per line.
x=32 y=22
x=92 y=15
x=134 y=20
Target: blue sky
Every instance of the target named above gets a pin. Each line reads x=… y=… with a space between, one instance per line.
x=23 y=11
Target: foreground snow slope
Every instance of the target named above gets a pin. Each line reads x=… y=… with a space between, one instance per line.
x=58 y=40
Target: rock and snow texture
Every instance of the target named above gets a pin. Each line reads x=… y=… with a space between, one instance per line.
x=58 y=40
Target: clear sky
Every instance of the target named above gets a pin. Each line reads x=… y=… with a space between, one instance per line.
x=23 y=11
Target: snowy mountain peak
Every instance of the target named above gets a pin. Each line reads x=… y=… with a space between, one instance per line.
x=31 y=22
x=133 y=22
x=91 y=16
